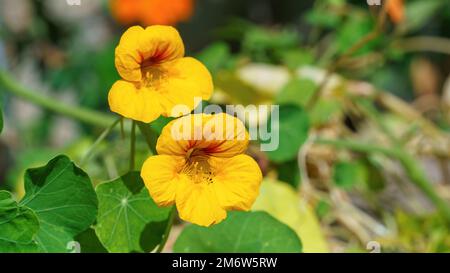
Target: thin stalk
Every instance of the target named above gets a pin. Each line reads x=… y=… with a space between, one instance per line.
x=122 y=131
x=424 y=43
x=359 y=147
x=82 y=114
x=332 y=67
x=167 y=231
x=369 y=109
x=97 y=142
x=132 y=145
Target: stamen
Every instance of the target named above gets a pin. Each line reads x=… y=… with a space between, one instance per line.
x=153 y=75
x=197 y=167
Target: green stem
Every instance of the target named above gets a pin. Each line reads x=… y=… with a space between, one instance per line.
x=369 y=109
x=122 y=131
x=132 y=144
x=359 y=147
x=409 y=163
x=333 y=66
x=417 y=175
x=167 y=231
x=102 y=136
x=82 y=114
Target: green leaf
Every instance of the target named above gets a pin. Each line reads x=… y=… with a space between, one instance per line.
x=325 y=110
x=89 y=242
x=418 y=13
x=348 y=174
x=128 y=219
x=292 y=211
x=353 y=30
x=323 y=18
x=18 y=226
x=296 y=57
x=293 y=126
x=158 y=124
x=239 y=91
x=64 y=201
x=261 y=43
x=12 y=247
x=375 y=179
x=255 y=232
x=215 y=56
x=289 y=172
x=322 y=208
x=297 y=91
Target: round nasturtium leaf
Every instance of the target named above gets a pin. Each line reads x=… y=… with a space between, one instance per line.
x=18 y=226
x=62 y=197
x=89 y=242
x=290 y=209
x=240 y=232
x=291 y=126
x=128 y=219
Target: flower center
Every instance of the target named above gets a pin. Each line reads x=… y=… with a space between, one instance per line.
x=197 y=167
x=152 y=75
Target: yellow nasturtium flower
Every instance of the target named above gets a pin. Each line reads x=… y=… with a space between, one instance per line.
x=202 y=169
x=155 y=75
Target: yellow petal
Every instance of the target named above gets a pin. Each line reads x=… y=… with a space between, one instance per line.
x=185 y=80
x=198 y=204
x=131 y=102
x=138 y=48
x=236 y=181
x=127 y=57
x=219 y=135
x=160 y=175
x=161 y=44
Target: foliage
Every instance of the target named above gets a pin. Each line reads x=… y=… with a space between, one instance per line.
x=363 y=129
x=255 y=232
x=292 y=125
x=292 y=211
x=125 y=208
x=59 y=203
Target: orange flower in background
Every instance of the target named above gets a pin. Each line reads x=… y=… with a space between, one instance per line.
x=125 y=11
x=396 y=10
x=152 y=12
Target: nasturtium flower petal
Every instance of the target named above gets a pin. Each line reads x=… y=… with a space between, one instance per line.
x=139 y=104
x=186 y=82
x=236 y=181
x=220 y=135
x=127 y=57
x=161 y=176
x=197 y=203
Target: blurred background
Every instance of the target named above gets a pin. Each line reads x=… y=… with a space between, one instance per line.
x=377 y=75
